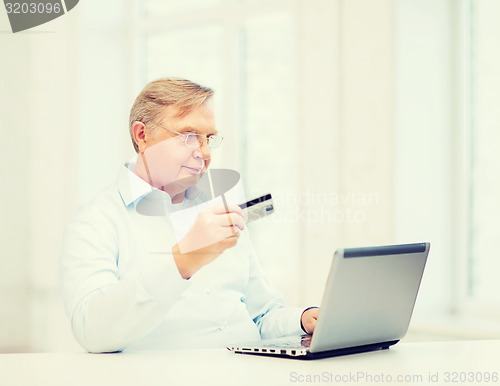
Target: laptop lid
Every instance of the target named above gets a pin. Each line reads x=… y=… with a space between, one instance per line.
x=369 y=296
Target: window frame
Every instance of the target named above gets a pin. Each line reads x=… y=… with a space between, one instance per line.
x=464 y=303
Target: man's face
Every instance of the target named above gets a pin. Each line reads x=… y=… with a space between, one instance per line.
x=172 y=165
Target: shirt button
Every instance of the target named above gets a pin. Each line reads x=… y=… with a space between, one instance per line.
x=207 y=290
x=222 y=328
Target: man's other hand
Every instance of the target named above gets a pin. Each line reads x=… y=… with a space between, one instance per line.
x=309 y=318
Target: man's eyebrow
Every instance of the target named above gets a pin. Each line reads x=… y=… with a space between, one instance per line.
x=190 y=129
x=186 y=129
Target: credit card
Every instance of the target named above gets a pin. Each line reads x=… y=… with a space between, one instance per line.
x=258 y=207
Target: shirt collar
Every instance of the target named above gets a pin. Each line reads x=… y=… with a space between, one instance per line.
x=132 y=187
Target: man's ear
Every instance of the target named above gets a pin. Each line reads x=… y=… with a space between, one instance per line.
x=139 y=132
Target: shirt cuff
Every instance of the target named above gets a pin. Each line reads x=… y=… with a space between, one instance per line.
x=294 y=321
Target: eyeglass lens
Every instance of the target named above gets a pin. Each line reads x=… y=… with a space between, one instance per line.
x=196 y=140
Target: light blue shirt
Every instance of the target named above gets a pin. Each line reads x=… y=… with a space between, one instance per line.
x=122 y=289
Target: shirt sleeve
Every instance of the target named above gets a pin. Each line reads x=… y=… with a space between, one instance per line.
x=266 y=304
x=108 y=312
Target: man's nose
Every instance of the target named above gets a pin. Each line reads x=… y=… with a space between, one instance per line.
x=204 y=150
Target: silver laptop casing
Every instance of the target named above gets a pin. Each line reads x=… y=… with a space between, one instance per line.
x=367 y=304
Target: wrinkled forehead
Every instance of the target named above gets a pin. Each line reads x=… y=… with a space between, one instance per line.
x=200 y=119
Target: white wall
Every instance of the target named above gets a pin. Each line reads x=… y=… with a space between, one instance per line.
x=423 y=169
x=14 y=210
x=105 y=92
x=38 y=123
x=347 y=93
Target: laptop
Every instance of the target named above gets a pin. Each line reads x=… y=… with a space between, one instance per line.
x=367 y=304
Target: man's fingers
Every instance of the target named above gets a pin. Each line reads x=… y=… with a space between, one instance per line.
x=235 y=220
x=229 y=241
x=312 y=325
x=231 y=232
x=230 y=220
x=228 y=208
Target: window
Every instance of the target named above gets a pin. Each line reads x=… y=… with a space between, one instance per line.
x=483 y=284
x=245 y=51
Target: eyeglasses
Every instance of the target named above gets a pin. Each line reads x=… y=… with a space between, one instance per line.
x=194 y=140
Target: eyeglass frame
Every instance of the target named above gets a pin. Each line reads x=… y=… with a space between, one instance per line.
x=186 y=135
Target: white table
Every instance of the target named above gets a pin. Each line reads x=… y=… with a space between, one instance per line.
x=435 y=363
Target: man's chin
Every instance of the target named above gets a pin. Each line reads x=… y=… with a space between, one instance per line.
x=183 y=183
